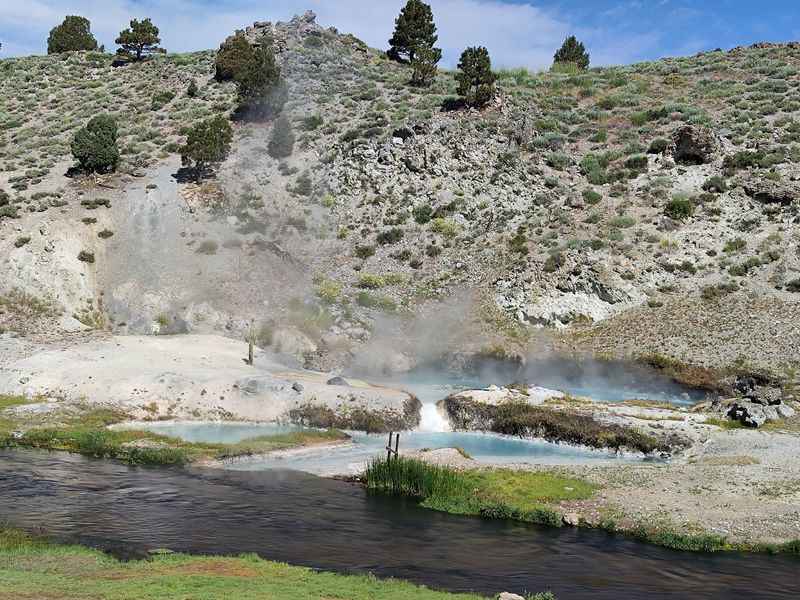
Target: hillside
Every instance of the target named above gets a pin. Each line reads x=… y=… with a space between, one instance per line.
x=632 y=210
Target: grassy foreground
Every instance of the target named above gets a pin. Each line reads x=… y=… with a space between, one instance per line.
x=32 y=568
x=85 y=432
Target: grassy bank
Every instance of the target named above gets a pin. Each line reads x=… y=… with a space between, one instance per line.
x=499 y=494
x=85 y=431
x=33 y=568
x=530 y=497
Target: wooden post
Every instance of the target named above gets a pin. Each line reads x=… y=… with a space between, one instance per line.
x=389 y=450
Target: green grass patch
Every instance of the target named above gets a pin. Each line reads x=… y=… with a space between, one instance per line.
x=284 y=441
x=494 y=494
x=11 y=401
x=35 y=568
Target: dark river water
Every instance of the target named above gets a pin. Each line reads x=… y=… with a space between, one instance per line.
x=331 y=525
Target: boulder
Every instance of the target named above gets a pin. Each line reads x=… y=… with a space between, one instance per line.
x=766 y=191
x=748 y=413
x=509 y=596
x=293 y=342
x=692 y=145
x=572 y=519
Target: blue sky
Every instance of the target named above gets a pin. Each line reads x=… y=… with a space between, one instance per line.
x=517 y=32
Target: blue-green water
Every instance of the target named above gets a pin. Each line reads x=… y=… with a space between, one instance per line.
x=352 y=458
x=481 y=447
x=215 y=433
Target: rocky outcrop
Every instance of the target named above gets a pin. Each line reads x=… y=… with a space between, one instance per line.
x=767 y=191
x=494 y=395
x=692 y=145
x=279 y=33
x=755 y=415
x=359 y=418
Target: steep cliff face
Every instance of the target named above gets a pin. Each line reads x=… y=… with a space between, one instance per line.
x=647 y=208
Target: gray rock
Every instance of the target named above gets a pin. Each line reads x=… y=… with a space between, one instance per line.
x=572 y=519
x=748 y=413
x=297 y=387
x=340 y=381
x=767 y=191
x=785 y=411
x=509 y=596
x=771 y=414
x=693 y=145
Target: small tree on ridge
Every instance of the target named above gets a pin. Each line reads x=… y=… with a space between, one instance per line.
x=139 y=40
x=475 y=78
x=572 y=52
x=414 y=30
x=72 y=35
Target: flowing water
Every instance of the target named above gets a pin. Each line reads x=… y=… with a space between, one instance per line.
x=332 y=525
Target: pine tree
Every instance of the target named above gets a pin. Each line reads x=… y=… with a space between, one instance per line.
x=475 y=78
x=414 y=30
x=139 y=40
x=572 y=52
x=262 y=92
x=73 y=34
x=425 y=66
x=208 y=142
x=234 y=54
x=95 y=146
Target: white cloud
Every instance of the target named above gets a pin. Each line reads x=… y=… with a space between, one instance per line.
x=516 y=34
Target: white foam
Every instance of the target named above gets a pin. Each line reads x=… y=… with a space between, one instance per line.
x=432 y=420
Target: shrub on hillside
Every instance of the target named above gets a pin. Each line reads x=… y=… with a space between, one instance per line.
x=208 y=142
x=475 y=77
x=72 y=35
x=679 y=208
x=161 y=99
x=658 y=146
x=95 y=145
x=281 y=143
x=139 y=41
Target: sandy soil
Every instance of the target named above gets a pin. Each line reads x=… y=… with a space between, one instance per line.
x=744 y=485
